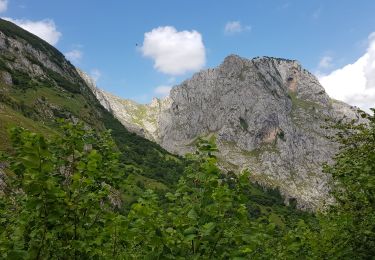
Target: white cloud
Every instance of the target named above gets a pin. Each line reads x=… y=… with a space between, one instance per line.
x=354 y=83
x=174 y=52
x=162 y=90
x=3 y=5
x=74 y=56
x=233 y=27
x=44 y=29
x=95 y=74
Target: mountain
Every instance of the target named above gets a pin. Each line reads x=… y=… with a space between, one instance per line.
x=38 y=85
x=265 y=113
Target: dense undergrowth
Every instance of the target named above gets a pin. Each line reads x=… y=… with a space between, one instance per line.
x=63 y=198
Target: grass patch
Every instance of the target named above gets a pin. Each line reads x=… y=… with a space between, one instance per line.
x=300 y=103
x=11 y=118
x=139 y=114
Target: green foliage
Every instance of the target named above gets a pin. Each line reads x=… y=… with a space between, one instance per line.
x=64 y=83
x=145 y=155
x=21 y=79
x=205 y=218
x=211 y=219
x=354 y=173
x=60 y=197
x=63 y=200
x=3 y=65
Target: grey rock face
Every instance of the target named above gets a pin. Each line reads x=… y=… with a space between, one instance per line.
x=97 y=92
x=138 y=118
x=266 y=114
x=6 y=78
x=20 y=55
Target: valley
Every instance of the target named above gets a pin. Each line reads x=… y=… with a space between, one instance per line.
x=248 y=160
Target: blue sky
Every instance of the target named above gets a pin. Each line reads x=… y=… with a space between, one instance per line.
x=107 y=38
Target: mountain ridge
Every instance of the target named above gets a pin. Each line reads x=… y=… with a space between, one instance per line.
x=32 y=97
x=266 y=114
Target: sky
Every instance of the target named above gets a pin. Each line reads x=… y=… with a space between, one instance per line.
x=140 y=49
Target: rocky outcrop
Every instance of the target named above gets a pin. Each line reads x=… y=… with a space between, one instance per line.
x=138 y=118
x=266 y=114
x=99 y=94
x=37 y=80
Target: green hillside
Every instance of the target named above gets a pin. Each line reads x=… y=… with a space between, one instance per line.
x=34 y=100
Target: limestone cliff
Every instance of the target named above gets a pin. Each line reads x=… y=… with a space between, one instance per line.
x=266 y=114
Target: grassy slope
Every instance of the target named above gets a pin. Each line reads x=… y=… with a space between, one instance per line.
x=11 y=118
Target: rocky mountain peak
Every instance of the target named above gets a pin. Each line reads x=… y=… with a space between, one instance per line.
x=266 y=114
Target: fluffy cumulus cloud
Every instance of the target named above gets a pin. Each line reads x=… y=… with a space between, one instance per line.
x=354 y=83
x=174 y=52
x=74 y=56
x=162 y=91
x=3 y=5
x=233 y=27
x=44 y=29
